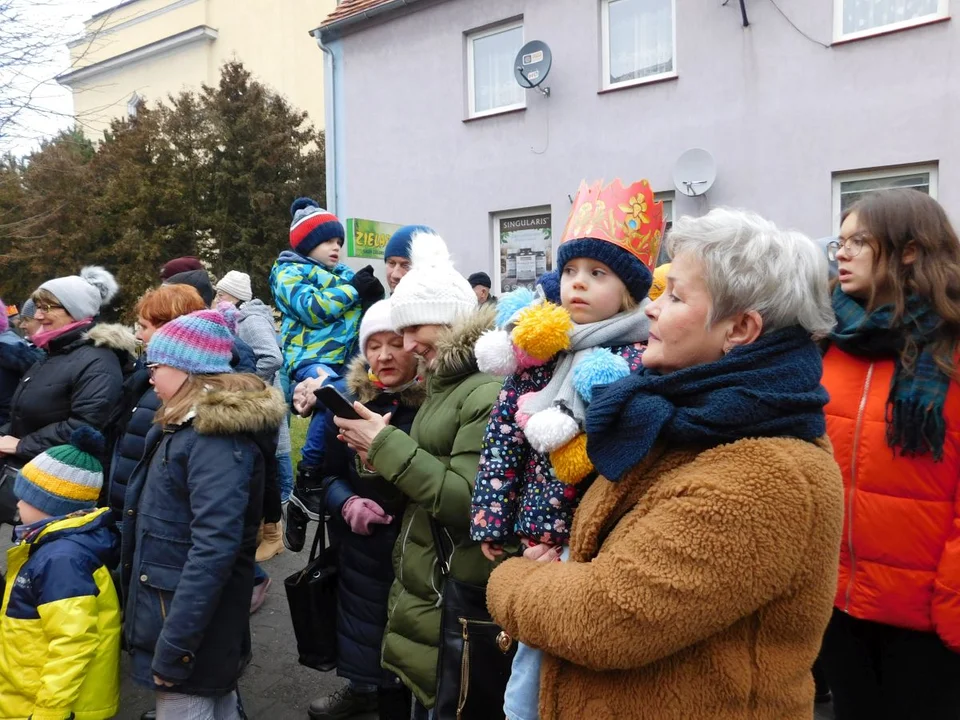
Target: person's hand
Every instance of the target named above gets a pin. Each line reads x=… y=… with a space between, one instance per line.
x=543 y=553
x=491 y=551
x=304 y=399
x=9 y=445
x=361 y=513
x=157 y=680
x=359 y=434
x=364 y=462
x=367 y=285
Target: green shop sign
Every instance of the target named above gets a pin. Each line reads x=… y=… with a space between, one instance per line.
x=367 y=238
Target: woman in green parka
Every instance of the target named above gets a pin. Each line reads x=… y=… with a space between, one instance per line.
x=436 y=464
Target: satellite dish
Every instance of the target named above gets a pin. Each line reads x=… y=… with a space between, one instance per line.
x=533 y=65
x=695 y=172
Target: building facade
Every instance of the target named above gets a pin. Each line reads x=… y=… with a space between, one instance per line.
x=802 y=104
x=148 y=49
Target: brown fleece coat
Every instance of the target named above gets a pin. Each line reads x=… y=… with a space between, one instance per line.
x=698 y=588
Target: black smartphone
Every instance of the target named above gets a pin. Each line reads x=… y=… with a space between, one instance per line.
x=334 y=401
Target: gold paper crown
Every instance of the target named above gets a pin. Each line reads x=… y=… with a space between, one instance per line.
x=628 y=217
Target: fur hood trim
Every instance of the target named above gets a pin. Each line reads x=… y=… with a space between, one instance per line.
x=360 y=386
x=225 y=412
x=455 y=346
x=113 y=337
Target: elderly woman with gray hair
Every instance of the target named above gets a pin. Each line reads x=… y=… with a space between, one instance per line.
x=703 y=560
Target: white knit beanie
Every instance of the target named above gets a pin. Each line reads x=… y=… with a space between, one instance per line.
x=375 y=320
x=236 y=283
x=432 y=292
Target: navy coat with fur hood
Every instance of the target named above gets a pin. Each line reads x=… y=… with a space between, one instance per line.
x=78 y=382
x=191 y=517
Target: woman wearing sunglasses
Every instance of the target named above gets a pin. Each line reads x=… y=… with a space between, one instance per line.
x=891 y=649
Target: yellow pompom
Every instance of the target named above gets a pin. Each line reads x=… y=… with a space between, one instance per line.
x=659 y=281
x=543 y=330
x=570 y=462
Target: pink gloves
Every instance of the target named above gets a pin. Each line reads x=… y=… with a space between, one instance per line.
x=360 y=513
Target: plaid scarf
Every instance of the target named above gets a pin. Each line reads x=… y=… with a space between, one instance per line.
x=915 y=420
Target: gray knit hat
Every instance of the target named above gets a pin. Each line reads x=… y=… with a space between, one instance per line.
x=83 y=295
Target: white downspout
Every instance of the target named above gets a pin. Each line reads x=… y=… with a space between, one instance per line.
x=330 y=123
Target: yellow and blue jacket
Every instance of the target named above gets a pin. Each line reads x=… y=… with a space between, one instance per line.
x=60 y=621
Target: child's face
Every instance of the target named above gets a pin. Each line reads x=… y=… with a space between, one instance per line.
x=327 y=253
x=29 y=514
x=590 y=291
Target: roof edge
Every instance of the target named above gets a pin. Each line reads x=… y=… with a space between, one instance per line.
x=336 y=27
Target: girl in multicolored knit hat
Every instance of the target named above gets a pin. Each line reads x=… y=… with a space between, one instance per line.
x=191 y=516
x=60 y=620
x=533 y=467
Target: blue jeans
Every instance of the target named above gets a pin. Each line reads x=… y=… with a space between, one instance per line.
x=259 y=576
x=285 y=476
x=313 y=448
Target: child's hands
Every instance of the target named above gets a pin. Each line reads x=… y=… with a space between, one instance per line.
x=543 y=553
x=159 y=681
x=491 y=551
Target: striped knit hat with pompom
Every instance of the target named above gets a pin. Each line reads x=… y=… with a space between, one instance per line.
x=66 y=478
x=199 y=344
x=312 y=226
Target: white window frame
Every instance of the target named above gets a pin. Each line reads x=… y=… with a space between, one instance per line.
x=498 y=218
x=605 y=52
x=471 y=90
x=943 y=11
x=932 y=168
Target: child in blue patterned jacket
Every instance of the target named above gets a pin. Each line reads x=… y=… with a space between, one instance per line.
x=320 y=301
x=533 y=465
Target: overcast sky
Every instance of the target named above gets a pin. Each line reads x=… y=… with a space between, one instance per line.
x=56 y=22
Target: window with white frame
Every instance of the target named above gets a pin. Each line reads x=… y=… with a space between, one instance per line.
x=638 y=41
x=132 y=104
x=491 y=85
x=667 y=198
x=851 y=186
x=860 y=18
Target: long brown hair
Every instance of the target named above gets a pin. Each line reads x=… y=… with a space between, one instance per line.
x=896 y=220
x=194 y=386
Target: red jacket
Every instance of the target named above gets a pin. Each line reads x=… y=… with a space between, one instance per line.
x=900 y=553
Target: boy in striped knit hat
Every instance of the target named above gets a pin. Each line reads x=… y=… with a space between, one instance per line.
x=60 y=619
x=321 y=301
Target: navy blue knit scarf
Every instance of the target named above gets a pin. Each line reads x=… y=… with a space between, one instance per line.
x=770 y=388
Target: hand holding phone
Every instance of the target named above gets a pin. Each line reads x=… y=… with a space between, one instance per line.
x=335 y=402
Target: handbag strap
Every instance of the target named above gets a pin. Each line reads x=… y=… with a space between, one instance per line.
x=442 y=559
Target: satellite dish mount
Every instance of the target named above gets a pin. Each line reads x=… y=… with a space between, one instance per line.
x=533 y=65
x=695 y=172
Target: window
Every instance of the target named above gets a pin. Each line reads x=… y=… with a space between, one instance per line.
x=638 y=41
x=132 y=104
x=850 y=187
x=861 y=18
x=523 y=248
x=491 y=85
x=667 y=198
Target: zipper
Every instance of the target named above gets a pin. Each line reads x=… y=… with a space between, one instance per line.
x=853 y=484
x=163 y=606
x=403 y=548
x=464 y=669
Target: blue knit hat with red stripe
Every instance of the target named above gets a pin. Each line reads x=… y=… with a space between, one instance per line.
x=312 y=226
x=199 y=343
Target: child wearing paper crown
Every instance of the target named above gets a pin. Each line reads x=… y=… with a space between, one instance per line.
x=533 y=465
x=60 y=619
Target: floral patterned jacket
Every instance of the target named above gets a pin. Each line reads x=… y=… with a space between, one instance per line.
x=517 y=494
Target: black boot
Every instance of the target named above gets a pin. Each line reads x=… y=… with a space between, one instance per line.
x=395 y=703
x=342 y=704
x=306 y=504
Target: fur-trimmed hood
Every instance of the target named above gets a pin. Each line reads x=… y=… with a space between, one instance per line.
x=113 y=337
x=455 y=346
x=224 y=412
x=362 y=388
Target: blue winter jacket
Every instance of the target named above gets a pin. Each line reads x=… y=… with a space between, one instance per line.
x=320 y=311
x=191 y=517
x=140 y=405
x=16 y=357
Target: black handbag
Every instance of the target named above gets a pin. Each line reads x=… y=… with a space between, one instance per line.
x=9 y=513
x=312 y=596
x=475 y=653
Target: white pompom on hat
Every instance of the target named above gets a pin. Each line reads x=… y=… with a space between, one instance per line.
x=375 y=320
x=432 y=292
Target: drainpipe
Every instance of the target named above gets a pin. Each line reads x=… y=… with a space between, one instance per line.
x=330 y=131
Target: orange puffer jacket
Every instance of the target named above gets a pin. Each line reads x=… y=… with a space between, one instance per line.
x=900 y=553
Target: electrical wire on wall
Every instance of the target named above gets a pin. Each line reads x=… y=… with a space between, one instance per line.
x=794 y=26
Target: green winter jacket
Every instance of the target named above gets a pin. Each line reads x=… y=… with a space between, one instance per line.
x=435 y=466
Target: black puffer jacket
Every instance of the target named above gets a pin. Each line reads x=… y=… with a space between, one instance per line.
x=365 y=564
x=139 y=406
x=79 y=382
x=16 y=357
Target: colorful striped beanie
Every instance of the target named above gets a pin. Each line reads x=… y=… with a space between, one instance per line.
x=199 y=343
x=66 y=478
x=312 y=226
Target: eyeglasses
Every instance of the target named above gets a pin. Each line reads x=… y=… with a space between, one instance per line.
x=47 y=307
x=851 y=246
x=152 y=368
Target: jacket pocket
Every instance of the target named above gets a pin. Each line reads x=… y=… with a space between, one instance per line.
x=156 y=585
